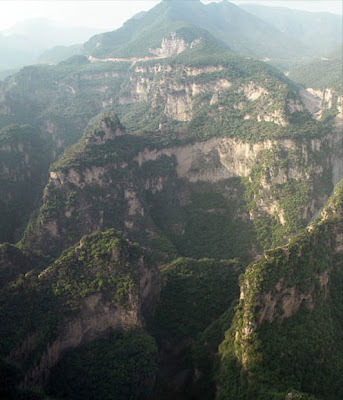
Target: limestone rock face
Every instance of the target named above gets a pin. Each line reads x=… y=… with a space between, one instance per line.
x=158 y=85
x=286 y=280
x=96 y=319
x=120 y=286
x=316 y=100
x=287 y=305
x=107 y=129
x=172 y=46
x=122 y=188
x=253 y=91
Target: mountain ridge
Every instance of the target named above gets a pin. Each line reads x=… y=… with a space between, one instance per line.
x=209 y=16
x=171 y=165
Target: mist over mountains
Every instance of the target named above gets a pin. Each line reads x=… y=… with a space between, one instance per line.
x=318 y=31
x=171 y=209
x=23 y=43
x=282 y=36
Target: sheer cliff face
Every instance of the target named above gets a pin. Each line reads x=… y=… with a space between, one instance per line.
x=220 y=124
x=61 y=99
x=284 y=182
x=288 y=291
x=208 y=154
x=319 y=100
x=86 y=296
x=230 y=126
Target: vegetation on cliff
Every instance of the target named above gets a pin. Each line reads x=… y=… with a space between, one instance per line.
x=204 y=157
x=287 y=331
x=39 y=306
x=196 y=292
x=228 y=23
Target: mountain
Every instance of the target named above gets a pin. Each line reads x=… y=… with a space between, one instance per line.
x=23 y=43
x=318 y=31
x=58 y=313
x=57 y=54
x=320 y=74
x=199 y=100
x=239 y=30
x=285 y=340
x=172 y=236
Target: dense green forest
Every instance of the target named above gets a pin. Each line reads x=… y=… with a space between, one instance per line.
x=171 y=219
x=320 y=74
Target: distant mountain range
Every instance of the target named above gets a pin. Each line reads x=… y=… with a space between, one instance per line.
x=281 y=36
x=24 y=42
x=317 y=31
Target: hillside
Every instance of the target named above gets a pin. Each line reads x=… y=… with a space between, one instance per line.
x=23 y=43
x=286 y=336
x=239 y=30
x=191 y=149
x=168 y=220
x=104 y=283
x=320 y=74
x=320 y=32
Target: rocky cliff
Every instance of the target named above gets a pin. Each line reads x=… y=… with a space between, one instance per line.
x=111 y=178
x=191 y=151
x=102 y=284
x=175 y=102
x=288 y=291
x=150 y=94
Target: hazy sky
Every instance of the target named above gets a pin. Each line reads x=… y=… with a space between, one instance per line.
x=111 y=14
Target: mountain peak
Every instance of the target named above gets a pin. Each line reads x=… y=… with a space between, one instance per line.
x=224 y=21
x=106 y=127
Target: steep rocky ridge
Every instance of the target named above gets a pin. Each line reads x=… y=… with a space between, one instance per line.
x=104 y=283
x=112 y=179
x=60 y=100
x=179 y=101
x=174 y=97
x=192 y=151
x=170 y=47
x=288 y=291
x=323 y=80
x=152 y=96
